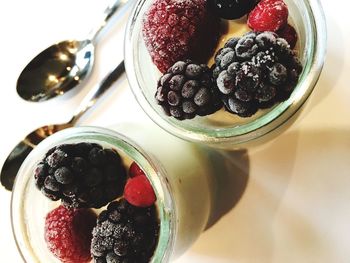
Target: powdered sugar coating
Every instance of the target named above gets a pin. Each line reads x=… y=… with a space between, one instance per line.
x=68 y=234
x=174 y=30
x=261 y=71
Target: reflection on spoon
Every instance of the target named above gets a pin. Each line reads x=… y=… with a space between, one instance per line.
x=24 y=147
x=64 y=65
x=56 y=70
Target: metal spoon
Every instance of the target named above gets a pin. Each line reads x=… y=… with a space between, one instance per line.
x=64 y=65
x=20 y=152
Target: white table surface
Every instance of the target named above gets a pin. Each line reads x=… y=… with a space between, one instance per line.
x=296 y=204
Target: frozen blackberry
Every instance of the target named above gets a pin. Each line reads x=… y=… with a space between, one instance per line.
x=81 y=175
x=125 y=233
x=229 y=9
x=186 y=90
x=255 y=71
x=246 y=47
x=278 y=74
x=241 y=108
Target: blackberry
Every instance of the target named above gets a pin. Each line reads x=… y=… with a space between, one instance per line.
x=246 y=47
x=278 y=74
x=125 y=233
x=186 y=90
x=241 y=108
x=248 y=77
x=40 y=175
x=255 y=71
x=229 y=9
x=81 y=175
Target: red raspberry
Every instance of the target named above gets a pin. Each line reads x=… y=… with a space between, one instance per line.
x=268 y=15
x=288 y=33
x=179 y=29
x=135 y=170
x=68 y=234
x=139 y=192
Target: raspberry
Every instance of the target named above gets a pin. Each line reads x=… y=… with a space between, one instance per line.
x=268 y=15
x=255 y=71
x=139 y=192
x=178 y=29
x=186 y=90
x=125 y=233
x=135 y=170
x=288 y=33
x=232 y=9
x=81 y=175
x=68 y=234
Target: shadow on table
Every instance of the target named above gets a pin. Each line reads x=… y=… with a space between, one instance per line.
x=245 y=232
x=231 y=170
x=271 y=224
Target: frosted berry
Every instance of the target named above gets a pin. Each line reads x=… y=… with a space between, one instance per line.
x=125 y=233
x=255 y=71
x=241 y=108
x=139 y=192
x=81 y=175
x=186 y=90
x=268 y=15
x=249 y=76
x=175 y=30
x=265 y=93
x=278 y=74
x=246 y=47
x=68 y=234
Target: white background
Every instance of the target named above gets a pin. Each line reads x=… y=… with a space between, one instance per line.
x=295 y=203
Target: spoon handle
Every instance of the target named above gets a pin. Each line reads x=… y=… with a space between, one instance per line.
x=108 y=13
x=97 y=92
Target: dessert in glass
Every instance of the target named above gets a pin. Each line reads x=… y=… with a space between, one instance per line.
x=181 y=180
x=245 y=88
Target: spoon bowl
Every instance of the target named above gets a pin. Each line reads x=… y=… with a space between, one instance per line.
x=66 y=64
x=56 y=70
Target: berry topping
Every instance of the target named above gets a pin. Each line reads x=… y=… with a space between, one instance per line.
x=125 y=233
x=135 y=170
x=176 y=29
x=68 y=234
x=288 y=33
x=139 y=192
x=81 y=175
x=185 y=91
x=255 y=71
x=229 y=9
x=268 y=15
x=278 y=74
x=241 y=108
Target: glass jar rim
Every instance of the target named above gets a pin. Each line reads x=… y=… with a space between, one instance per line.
x=315 y=55
x=153 y=170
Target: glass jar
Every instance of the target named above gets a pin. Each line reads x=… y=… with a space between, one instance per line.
x=225 y=130
x=179 y=172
